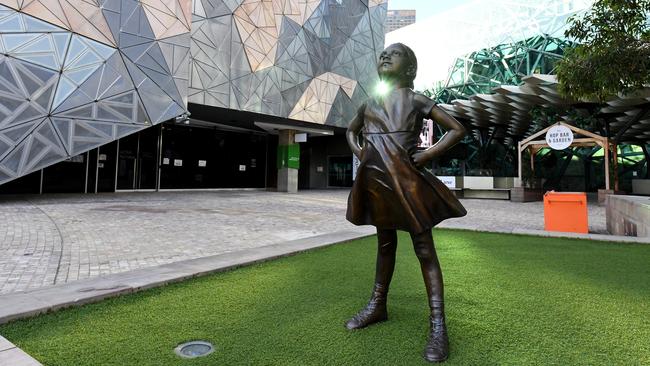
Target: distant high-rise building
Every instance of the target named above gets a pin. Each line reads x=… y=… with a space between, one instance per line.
x=396 y=19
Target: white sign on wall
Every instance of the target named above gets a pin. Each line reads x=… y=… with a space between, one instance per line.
x=301 y=137
x=426 y=135
x=559 y=137
x=178 y=162
x=450 y=182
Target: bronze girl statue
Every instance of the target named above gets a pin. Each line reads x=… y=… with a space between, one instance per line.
x=393 y=191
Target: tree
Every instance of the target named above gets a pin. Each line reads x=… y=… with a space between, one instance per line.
x=613 y=55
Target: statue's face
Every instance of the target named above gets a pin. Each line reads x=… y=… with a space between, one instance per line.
x=393 y=61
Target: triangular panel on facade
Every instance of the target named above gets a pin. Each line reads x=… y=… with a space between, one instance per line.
x=26 y=90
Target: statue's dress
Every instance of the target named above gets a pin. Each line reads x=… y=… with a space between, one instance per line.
x=389 y=191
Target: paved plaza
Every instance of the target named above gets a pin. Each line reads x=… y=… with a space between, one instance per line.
x=55 y=239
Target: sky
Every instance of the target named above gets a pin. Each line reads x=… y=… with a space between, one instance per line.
x=446 y=30
x=425 y=8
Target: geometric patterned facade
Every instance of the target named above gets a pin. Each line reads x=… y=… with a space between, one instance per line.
x=310 y=60
x=77 y=74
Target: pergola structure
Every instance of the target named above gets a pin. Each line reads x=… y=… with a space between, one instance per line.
x=534 y=144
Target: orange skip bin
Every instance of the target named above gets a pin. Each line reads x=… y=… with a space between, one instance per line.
x=566 y=211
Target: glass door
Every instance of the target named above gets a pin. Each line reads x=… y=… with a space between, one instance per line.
x=105 y=165
x=137 y=164
x=147 y=162
x=126 y=162
x=339 y=171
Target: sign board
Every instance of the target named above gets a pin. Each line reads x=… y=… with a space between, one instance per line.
x=559 y=137
x=102 y=157
x=450 y=182
x=202 y=163
x=301 y=137
x=426 y=136
x=178 y=162
x=289 y=156
x=242 y=168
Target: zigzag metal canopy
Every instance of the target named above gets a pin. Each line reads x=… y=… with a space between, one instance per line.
x=508 y=108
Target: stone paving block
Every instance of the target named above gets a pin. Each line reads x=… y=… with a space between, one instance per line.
x=20 y=305
x=16 y=357
x=79 y=293
x=5 y=344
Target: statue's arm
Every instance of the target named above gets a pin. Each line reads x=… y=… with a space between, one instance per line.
x=352 y=135
x=455 y=133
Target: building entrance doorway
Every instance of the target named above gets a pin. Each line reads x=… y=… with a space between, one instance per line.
x=201 y=156
x=137 y=161
x=339 y=171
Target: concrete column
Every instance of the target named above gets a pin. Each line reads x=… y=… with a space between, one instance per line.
x=287 y=175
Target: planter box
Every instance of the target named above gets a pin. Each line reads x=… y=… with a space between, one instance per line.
x=492 y=194
x=519 y=194
x=603 y=193
x=628 y=215
x=496 y=188
x=641 y=186
x=504 y=182
x=478 y=182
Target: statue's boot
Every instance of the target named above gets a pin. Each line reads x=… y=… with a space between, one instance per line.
x=437 y=348
x=374 y=312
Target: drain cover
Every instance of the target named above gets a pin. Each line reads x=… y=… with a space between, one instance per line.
x=194 y=349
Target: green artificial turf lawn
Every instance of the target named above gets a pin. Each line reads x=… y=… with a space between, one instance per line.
x=515 y=300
